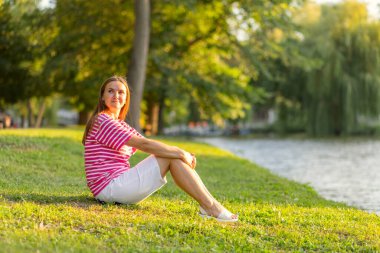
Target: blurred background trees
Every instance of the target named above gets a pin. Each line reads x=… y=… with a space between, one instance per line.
x=333 y=88
x=315 y=66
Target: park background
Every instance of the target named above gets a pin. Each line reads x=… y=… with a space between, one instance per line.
x=255 y=66
x=298 y=80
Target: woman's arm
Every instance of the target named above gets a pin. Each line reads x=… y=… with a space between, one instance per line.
x=161 y=149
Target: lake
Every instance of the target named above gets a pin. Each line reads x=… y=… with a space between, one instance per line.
x=340 y=170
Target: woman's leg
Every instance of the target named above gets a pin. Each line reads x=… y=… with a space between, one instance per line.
x=189 y=181
x=194 y=187
x=164 y=164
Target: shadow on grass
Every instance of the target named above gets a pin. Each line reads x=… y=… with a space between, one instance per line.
x=81 y=201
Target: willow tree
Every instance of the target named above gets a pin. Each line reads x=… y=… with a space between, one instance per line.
x=345 y=87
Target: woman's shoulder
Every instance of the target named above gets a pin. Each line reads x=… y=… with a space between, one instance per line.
x=124 y=123
x=100 y=119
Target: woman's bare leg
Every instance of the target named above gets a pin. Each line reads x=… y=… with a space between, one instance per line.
x=164 y=164
x=205 y=188
x=189 y=181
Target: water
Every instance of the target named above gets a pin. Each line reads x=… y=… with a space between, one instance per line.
x=341 y=170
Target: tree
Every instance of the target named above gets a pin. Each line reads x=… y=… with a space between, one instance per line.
x=332 y=81
x=196 y=58
x=13 y=51
x=346 y=85
x=137 y=68
x=26 y=49
x=94 y=40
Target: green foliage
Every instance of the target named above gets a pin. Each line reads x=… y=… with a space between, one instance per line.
x=13 y=51
x=33 y=31
x=208 y=60
x=347 y=84
x=93 y=43
x=45 y=206
x=27 y=33
x=331 y=85
x=191 y=60
x=196 y=52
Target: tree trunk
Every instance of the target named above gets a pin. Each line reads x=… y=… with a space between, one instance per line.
x=84 y=117
x=153 y=115
x=31 y=122
x=23 y=121
x=41 y=112
x=161 y=108
x=137 y=67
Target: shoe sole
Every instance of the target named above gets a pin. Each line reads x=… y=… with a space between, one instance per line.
x=205 y=216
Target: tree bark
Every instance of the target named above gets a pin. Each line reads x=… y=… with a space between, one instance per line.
x=40 y=115
x=84 y=116
x=153 y=115
x=23 y=121
x=137 y=67
x=160 y=127
x=30 y=113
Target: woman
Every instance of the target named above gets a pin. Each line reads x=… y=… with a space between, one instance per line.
x=110 y=142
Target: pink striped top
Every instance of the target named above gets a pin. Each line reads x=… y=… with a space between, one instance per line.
x=105 y=154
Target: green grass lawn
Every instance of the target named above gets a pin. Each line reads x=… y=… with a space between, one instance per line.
x=45 y=206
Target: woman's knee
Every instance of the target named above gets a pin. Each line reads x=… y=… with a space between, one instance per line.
x=176 y=163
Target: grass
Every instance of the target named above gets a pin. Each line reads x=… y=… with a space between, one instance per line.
x=45 y=206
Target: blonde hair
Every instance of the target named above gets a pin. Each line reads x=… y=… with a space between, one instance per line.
x=101 y=107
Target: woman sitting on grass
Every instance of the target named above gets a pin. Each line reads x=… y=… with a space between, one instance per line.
x=110 y=142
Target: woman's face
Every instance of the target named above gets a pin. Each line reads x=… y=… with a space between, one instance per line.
x=114 y=96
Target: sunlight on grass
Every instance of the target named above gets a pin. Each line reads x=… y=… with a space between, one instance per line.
x=74 y=134
x=45 y=206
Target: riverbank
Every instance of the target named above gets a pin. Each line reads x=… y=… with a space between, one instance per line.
x=343 y=170
x=45 y=206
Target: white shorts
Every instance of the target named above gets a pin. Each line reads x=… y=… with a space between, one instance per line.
x=134 y=185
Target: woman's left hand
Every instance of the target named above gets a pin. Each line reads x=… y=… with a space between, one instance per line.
x=189 y=159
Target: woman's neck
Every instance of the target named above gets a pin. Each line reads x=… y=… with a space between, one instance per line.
x=114 y=115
